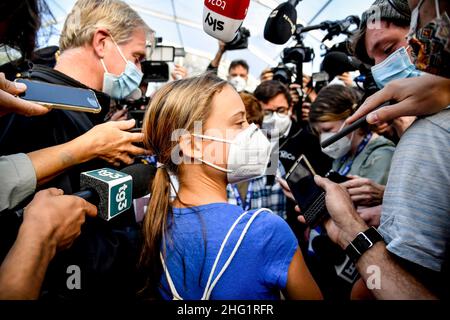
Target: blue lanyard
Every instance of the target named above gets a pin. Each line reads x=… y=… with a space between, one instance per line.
x=344 y=171
x=248 y=198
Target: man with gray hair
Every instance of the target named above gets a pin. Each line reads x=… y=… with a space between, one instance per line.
x=105 y=40
x=102 y=44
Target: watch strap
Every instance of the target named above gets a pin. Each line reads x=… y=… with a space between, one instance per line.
x=363 y=242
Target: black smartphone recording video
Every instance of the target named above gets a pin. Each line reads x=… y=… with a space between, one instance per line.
x=309 y=196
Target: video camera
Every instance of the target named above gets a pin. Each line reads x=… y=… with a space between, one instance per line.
x=299 y=54
x=240 y=41
x=155 y=68
x=338 y=59
x=290 y=68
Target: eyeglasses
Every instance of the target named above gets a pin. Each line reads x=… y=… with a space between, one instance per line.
x=281 y=111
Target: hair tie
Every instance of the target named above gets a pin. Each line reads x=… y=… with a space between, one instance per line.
x=160 y=165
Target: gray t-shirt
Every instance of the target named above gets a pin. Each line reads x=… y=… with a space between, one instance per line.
x=415 y=220
x=18 y=180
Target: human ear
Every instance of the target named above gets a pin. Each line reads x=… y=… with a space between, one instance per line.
x=99 y=42
x=191 y=146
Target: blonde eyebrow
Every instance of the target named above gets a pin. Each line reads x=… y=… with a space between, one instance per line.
x=236 y=115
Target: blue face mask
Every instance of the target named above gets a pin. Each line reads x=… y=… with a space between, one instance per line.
x=123 y=85
x=397 y=66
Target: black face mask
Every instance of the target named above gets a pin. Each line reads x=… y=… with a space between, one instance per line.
x=431 y=44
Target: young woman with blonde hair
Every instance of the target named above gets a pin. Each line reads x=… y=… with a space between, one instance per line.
x=198 y=246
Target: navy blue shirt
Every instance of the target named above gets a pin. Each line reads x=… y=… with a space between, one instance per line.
x=259 y=268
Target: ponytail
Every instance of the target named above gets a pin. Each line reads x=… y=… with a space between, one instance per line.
x=177 y=105
x=155 y=224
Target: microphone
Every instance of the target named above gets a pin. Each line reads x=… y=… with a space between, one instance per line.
x=334 y=28
x=142 y=175
x=336 y=63
x=223 y=18
x=282 y=23
x=346 y=130
x=112 y=191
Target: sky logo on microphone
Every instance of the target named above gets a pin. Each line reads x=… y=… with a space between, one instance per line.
x=222 y=19
x=214 y=23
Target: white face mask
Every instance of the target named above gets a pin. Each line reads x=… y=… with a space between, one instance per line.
x=338 y=149
x=281 y=123
x=238 y=83
x=248 y=155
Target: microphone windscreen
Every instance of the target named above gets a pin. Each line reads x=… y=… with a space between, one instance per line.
x=142 y=175
x=281 y=24
x=336 y=63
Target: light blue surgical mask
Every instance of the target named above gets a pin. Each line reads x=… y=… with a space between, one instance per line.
x=397 y=66
x=123 y=85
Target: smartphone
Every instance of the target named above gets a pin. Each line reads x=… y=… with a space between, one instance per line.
x=309 y=196
x=60 y=97
x=336 y=177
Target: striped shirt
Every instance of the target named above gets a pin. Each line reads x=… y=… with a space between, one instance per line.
x=415 y=220
x=264 y=195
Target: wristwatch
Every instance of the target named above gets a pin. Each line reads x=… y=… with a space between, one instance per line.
x=363 y=242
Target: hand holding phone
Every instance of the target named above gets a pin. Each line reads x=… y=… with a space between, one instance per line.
x=309 y=196
x=9 y=103
x=60 y=97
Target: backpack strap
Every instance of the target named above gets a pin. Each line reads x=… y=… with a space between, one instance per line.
x=175 y=294
x=210 y=286
x=212 y=283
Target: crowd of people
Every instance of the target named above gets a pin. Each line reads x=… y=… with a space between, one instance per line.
x=221 y=221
